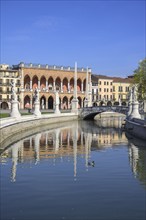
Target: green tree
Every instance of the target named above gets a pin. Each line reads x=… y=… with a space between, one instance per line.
x=140 y=79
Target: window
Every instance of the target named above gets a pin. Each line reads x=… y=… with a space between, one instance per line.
x=107 y=90
x=113 y=88
x=107 y=83
x=104 y=83
x=104 y=90
x=111 y=83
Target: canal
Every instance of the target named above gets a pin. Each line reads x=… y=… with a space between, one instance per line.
x=81 y=170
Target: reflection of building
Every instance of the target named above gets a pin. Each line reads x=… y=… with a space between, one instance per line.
x=49 y=79
x=7 y=74
x=62 y=142
x=137 y=158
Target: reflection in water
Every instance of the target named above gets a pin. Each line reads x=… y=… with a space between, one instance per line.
x=71 y=149
x=73 y=140
x=109 y=122
x=137 y=158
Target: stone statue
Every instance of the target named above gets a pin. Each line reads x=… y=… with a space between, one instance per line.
x=130 y=95
x=57 y=98
x=36 y=92
x=134 y=94
x=14 y=96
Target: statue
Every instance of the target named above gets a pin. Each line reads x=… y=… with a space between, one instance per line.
x=36 y=92
x=134 y=94
x=14 y=96
x=130 y=95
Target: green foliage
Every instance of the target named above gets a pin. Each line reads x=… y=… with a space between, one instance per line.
x=140 y=79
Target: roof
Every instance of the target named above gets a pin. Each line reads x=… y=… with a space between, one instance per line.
x=96 y=78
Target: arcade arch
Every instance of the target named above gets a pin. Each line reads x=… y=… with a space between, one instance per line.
x=27 y=82
x=50 y=102
x=43 y=83
x=27 y=102
x=4 y=105
x=35 y=82
x=43 y=102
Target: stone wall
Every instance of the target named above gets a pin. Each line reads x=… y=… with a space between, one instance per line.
x=18 y=129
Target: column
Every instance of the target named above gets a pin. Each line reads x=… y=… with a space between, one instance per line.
x=39 y=84
x=30 y=85
x=75 y=100
x=46 y=85
x=75 y=81
x=68 y=87
x=61 y=86
x=54 y=88
x=82 y=87
x=86 y=92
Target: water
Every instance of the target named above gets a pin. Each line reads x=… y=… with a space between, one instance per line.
x=50 y=175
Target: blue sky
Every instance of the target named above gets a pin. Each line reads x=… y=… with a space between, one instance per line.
x=108 y=36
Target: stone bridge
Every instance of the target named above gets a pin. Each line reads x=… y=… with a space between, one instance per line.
x=89 y=113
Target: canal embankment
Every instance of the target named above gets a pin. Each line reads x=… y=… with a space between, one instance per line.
x=15 y=128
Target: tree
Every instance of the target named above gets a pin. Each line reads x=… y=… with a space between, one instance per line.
x=140 y=79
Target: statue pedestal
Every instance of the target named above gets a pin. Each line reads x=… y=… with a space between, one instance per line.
x=57 y=111
x=135 y=111
x=129 y=109
x=36 y=111
x=14 y=109
x=74 y=106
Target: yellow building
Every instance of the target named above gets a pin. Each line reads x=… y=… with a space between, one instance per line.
x=121 y=89
x=110 y=90
x=7 y=75
x=105 y=90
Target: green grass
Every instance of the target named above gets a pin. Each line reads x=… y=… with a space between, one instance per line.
x=4 y=115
